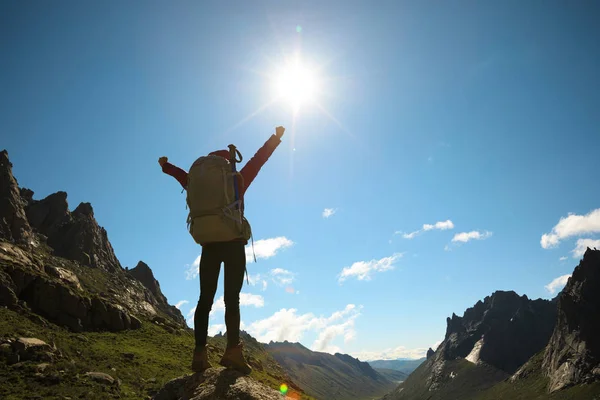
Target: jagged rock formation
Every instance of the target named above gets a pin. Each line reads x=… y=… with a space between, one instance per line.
x=430 y=353
x=216 y=384
x=326 y=376
x=503 y=331
x=75 y=236
x=485 y=346
x=14 y=226
x=573 y=353
x=66 y=269
x=143 y=273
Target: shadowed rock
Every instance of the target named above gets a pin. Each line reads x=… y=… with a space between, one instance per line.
x=216 y=384
x=14 y=226
x=573 y=353
x=144 y=275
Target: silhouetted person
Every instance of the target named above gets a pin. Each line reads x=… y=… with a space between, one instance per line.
x=215 y=195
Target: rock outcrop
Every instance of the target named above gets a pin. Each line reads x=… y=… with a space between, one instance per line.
x=61 y=265
x=14 y=226
x=144 y=275
x=216 y=384
x=430 y=353
x=573 y=353
x=73 y=235
x=504 y=331
x=498 y=335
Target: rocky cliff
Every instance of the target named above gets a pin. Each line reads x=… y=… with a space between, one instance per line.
x=13 y=222
x=483 y=347
x=573 y=354
x=61 y=265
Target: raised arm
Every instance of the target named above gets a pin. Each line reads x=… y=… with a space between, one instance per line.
x=254 y=165
x=174 y=171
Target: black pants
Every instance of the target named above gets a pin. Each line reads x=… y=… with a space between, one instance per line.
x=233 y=255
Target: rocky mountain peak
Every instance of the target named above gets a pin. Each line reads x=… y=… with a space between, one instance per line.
x=84 y=209
x=143 y=273
x=430 y=353
x=573 y=353
x=504 y=330
x=14 y=226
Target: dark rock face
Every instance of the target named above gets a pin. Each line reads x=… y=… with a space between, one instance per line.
x=503 y=331
x=58 y=297
x=573 y=353
x=143 y=273
x=75 y=236
x=430 y=353
x=498 y=335
x=14 y=226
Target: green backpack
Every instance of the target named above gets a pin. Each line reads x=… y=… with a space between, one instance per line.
x=214 y=214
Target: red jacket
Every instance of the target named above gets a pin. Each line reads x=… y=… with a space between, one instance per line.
x=249 y=171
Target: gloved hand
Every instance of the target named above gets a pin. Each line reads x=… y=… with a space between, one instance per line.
x=279 y=131
x=162 y=161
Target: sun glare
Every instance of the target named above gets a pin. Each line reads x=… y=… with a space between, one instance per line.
x=296 y=85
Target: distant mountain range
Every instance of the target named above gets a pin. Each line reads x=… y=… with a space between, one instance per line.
x=330 y=377
x=404 y=365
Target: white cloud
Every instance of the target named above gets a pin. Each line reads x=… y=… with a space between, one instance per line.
x=287 y=324
x=267 y=248
x=563 y=258
x=180 y=303
x=249 y=299
x=363 y=270
x=328 y=334
x=582 y=245
x=557 y=284
x=391 y=354
x=282 y=276
x=192 y=270
x=246 y=299
x=257 y=280
x=464 y=237
x=328 y=212
x=441 y=226
x=190 y=317
x=264 y=248
x=572 y=225
x=215 y=329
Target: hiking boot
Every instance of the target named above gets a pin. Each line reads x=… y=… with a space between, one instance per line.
x=200 y=361
x=234 y=359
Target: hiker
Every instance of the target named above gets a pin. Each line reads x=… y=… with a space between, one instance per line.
x=215 y=194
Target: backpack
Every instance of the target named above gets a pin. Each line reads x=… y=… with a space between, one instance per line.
x=214 y=214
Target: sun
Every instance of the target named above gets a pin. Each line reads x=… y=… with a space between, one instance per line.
x=296 y=84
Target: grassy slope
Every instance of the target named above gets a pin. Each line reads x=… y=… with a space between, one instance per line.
x=392 y=374
x=159 y=356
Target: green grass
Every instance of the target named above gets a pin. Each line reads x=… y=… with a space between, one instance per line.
x=535 y=387
x=158 y=356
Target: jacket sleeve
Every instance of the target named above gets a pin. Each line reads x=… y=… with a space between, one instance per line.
x=176 y=173
x=254 y=165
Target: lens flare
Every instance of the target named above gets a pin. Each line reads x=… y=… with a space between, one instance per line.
x=283 y=389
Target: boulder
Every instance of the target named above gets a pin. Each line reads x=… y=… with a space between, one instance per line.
x=216 y=384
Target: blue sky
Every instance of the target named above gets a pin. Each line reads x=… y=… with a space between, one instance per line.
x=475 y=125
